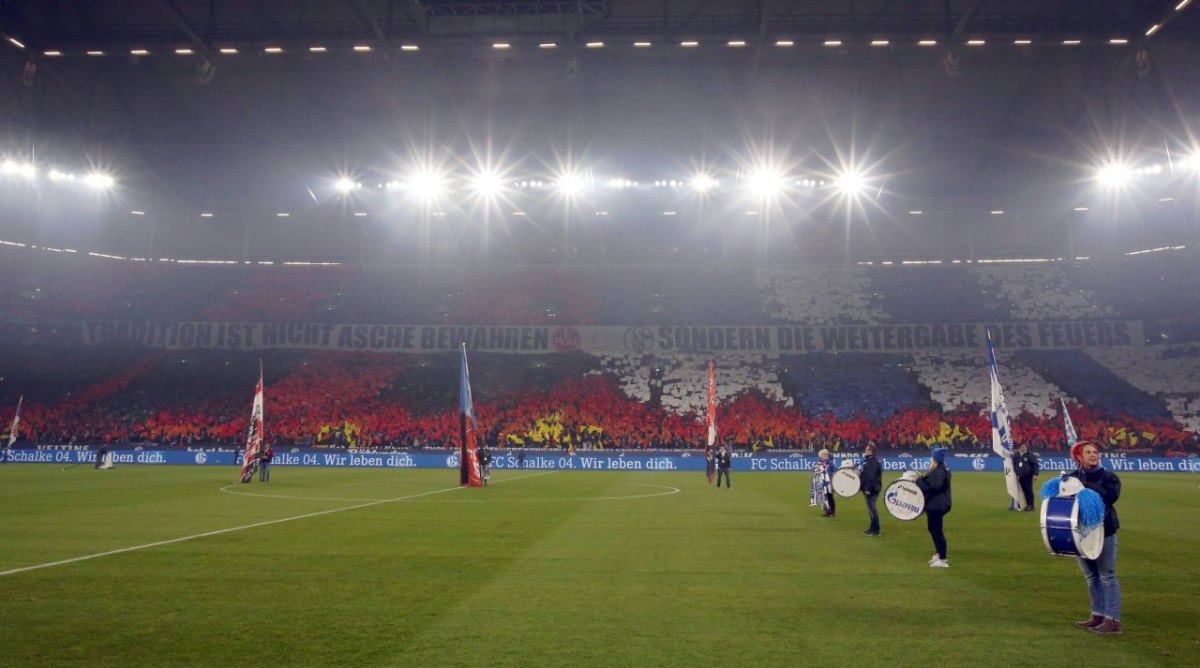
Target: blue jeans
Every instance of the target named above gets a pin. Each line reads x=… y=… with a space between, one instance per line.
x=1101 y=576
x=873 y=511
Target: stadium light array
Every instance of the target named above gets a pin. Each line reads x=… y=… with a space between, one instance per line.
x=346 y=186
x=487 y=184
x=765 y=183
x=1114 y=175
x=570 y=183
x=99 y=181
x=21 y=169
x=703 y=183
x=851 y=183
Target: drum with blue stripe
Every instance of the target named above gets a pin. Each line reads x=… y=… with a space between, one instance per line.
x=1061 y=532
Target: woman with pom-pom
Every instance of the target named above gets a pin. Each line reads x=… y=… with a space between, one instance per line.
x=1100 y=573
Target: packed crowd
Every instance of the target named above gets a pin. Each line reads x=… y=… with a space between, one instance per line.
x=365 y=401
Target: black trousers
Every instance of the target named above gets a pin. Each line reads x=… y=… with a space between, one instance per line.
x=934 y=522
x=723 y=472
x=1027 y=490
x=873 y=511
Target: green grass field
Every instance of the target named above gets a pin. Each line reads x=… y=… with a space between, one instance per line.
x=390 y=568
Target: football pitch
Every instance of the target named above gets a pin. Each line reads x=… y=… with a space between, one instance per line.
x=165 y=566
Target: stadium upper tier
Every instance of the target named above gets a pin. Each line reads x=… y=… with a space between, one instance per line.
x=52 y=289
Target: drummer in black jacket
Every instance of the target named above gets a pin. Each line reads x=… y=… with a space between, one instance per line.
x=936 y=487
x=872 y=483
x=1101 y=573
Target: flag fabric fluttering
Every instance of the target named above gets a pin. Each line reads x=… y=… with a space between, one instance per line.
x=1071 y=435
x=1002 y=442
x=468 y=455
x=12 y=431
x=16 y=423
x=711 y=419
x=254 y=435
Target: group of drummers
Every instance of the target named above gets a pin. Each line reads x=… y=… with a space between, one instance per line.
x=1078 y=516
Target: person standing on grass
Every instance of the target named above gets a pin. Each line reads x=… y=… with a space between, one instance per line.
x=826 y=468
x=1100 y=573
x=724 y=462
x=485 y=464
x=872 y=484
x=935 y=485
x=1026 y=467
x=264 y=463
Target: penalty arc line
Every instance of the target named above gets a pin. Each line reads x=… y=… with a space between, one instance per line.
x=218 y=532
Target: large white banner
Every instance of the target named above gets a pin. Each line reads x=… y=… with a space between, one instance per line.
x=642 y=339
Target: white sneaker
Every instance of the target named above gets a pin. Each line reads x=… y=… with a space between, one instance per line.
x=933 y=559
x=939 y=563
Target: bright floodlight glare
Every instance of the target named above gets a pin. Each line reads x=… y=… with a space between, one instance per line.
x=1114 y=175
x=702 y=183
x=570 y=184
x=487 y=184
x=345 y=185
x=427 y=184
x=765 y=183
x=850 y=182
x=99 y=180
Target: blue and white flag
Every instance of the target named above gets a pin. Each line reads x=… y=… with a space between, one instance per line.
x=1002 y=440
x=468 y=456
x=1071 y=435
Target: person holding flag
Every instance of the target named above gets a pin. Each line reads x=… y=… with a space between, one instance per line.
x=469 y=474
x=12 y=431
x=710 y=464
x=254 y=434
x=1002 y=441
x=1027 y=467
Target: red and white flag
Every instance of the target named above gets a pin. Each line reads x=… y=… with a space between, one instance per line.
x=254 y=437
x=711 y=419
x=468 y=456
x=12 y=431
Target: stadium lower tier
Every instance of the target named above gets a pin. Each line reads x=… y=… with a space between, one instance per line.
x=585 y=402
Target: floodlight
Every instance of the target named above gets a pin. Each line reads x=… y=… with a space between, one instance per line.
x=570 y=183
x=1114 y=175
x=346 y=186
x=427 y=184
x=702 y=183
x=14 y=168
x=99 y=180
x=851 y=182
x=487 y=184
x=765 y=183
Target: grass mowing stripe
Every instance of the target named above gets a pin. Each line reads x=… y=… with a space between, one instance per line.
x=218 y=532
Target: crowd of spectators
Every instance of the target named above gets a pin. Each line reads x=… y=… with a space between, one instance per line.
x=351 y=400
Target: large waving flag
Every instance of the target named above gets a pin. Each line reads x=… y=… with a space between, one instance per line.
x=468 y=456
x=12 y=431
x=711 y=419
x=254 y=435
x=1002 y=442
x=1071 y=435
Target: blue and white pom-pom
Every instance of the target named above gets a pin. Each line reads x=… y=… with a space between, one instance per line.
x=1050 y=488
x=1091 y=510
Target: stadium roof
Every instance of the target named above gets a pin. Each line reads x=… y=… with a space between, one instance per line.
x=950 y=110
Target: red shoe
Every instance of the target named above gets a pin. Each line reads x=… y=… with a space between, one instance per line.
x=1096 y=620
x=1107 y=628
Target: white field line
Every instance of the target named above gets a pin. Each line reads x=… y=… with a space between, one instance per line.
x=218 y=532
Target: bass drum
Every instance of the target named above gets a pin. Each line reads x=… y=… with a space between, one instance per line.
x=846 y=483
x=904 y=500
x=1061 y=532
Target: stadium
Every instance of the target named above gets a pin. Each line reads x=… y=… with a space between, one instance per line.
x=594 y=242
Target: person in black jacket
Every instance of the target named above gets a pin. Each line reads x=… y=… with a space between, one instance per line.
x=485 y=464
x=872 y=483
x=1026 y=467
x=1100 y=573
x=723 y=465
x=936 y=486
